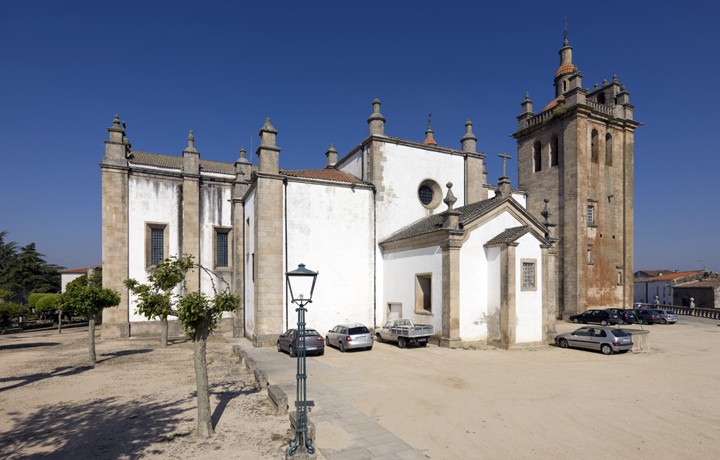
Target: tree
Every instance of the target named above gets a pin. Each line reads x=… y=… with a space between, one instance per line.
x=86 y=296
x=199 y=316
x=23 y=271
x=10 y=312
x=155 y=300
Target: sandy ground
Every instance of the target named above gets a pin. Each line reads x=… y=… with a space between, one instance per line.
x=448 y=404
x=137 y=401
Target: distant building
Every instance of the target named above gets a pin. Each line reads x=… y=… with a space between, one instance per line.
x=648 y=287
x=70 y=274
x=704 y=293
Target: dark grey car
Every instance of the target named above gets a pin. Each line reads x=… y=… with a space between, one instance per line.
x=350 y=336
x=606 y=339
x=314 y=342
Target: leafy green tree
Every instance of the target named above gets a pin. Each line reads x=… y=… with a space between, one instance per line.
x=155 y=299
x=86 y=296
x=199 y=316
x=10 y=313
x=23 y=271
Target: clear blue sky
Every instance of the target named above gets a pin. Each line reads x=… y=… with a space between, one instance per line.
x=220 y=68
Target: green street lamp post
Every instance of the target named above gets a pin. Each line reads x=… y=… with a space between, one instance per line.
x=301 y=283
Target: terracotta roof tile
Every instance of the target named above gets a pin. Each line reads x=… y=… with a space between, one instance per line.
x=328 y=174
x=565 y=69
x=554 y=102
x=509 y=235
x=674 y=276
x=155 y=159
x=699 y=284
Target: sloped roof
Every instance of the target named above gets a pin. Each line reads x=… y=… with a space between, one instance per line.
x=78 y=270
x=674 y=276
x=175 y=162
x=699 y=284
x=434 y=222
x=328 y=174
x=509 y=235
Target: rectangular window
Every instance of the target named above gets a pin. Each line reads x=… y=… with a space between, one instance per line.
x=423 y=293
x=591 y=215
x=156 y=243
x=620 y=279
x=529 y=275
x=157 y=246
x=590 y=255
x=222 y=247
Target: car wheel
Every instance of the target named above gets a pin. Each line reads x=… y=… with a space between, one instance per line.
x=322 y=352
x=603 y=323
x=575 y=320
x=663 y=321
x=379 y=337
x=327 y=341
x=606 y=349
x=341 y=347
x=401 y=342
x=423 y=343
x=563 y=343
x=292 y=351
x=369 y=348
x=278 y=346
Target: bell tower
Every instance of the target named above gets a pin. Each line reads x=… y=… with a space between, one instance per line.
x=576 y=156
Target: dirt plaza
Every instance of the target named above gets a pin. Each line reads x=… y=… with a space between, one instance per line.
x=138 y=401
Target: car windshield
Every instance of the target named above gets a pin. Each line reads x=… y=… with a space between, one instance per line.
x=309 y=332
x=619 y=333
x=359 y=330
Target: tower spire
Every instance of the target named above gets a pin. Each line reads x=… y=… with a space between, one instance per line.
x=429 y=139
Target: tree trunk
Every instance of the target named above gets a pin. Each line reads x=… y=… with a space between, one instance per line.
x=204 y=425
x=60 y=321
x=163 y=331
x=91 y=338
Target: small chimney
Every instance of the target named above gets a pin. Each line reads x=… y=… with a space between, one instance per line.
x=376 y=120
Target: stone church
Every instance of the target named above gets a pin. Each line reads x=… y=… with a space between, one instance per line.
x=397 y=228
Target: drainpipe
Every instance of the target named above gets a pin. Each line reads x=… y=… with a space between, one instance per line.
x=285 y=184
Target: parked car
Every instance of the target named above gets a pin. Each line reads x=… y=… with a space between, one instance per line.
x=649 y=316
x=668 y=317
x=608 y=340
x=627 y=316
x=314 y=343
x=349 y=336
x=405 y=332
x=603 y=317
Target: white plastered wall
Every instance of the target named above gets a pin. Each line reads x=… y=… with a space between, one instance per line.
x=215 y=211
x=401 y=269
x=330 y=230
x=150 y=200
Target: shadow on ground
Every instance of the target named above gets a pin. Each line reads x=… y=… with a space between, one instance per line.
x=64 y=371
x=103 y=428
x=118 y=354
x=17 y=346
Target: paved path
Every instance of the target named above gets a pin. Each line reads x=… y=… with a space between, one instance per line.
x=348 y=433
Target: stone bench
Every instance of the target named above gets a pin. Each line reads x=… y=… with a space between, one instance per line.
x=261 y=378
x=278 y=398
x=250 y=364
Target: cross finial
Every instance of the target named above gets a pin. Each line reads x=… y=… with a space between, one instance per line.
x=565 y=35
x=505 y=157
x=429 y=120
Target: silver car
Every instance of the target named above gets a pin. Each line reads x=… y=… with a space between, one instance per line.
x=349 y=336
x=667 y=317
x=606 y=339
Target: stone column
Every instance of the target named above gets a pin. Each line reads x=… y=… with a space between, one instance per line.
x=114 y=167
x=269 y=251
x=508 y=302
x=191 y=211
x=451 y=293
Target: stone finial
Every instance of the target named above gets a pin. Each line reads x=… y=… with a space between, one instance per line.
x=622 y=88
x=429 y=139
x=376 y=120
x=450 y=198
x=604 y=82
x=268 y=151
x=243 y=156
x=332 y=156
x=615 y=79
x=469 y=141
x=527 y=104
x=191 y=144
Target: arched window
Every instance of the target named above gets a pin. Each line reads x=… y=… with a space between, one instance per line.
x=594 y=146
x=554 y=150
x=608 y=149
x=537 y=165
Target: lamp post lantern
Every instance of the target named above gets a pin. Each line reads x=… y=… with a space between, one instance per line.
x=301 y=283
